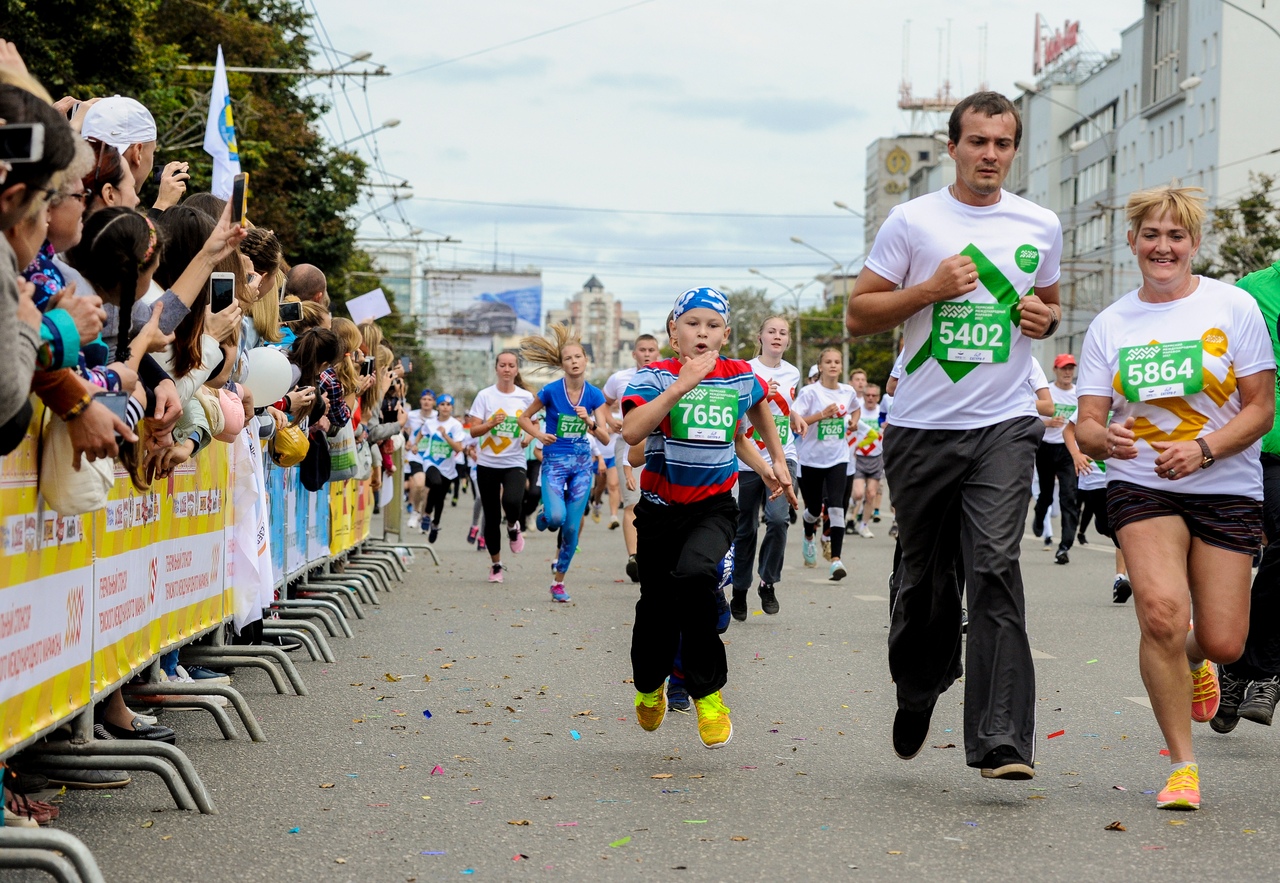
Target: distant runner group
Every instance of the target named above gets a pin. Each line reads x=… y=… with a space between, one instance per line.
x=1158 y=445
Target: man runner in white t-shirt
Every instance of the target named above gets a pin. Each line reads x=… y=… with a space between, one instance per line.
x=973 y=272
x=1053 y=460
x=644 y=351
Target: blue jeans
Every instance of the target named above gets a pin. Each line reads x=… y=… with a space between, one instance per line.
x=566 y=487
x=752 y=495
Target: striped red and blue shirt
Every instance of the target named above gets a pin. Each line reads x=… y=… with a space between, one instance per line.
x=685 y=469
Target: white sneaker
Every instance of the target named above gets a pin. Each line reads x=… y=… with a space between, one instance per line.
x=837 y=569
x=864 y=531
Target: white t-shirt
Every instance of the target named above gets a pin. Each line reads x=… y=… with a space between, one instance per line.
x=1016 y=245
x=865 y=441
x=1095 y=480
x=428 y=442
x=787 y=376
x=413 y=422
x=825 y=443
x=1206 y=340
x=500 y=448
x=1064 y=405
x=615 y=386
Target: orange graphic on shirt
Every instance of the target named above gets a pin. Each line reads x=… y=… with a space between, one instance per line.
x=1190 y=421
x=495 y=443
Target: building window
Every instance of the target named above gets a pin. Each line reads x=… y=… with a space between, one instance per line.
x=1213 y=50
x=1213 y=114
x=1164 y=60
x=1202 y=118
x=1182 y=129
x=1204 y=55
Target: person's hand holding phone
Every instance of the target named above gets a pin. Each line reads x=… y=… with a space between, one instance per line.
x=223 y=240
x=173 y=185
x=221 y=326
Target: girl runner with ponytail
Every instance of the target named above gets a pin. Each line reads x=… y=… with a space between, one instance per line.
x=574 y=409
x=828 y=407
x=783 y=379
x=500 y=465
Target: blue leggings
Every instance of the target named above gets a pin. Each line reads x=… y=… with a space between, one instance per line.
x=566 y=487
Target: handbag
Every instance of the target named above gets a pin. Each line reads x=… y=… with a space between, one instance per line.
x=315 y=469
x=342 y=454
x=67 y=490
x=364 y=461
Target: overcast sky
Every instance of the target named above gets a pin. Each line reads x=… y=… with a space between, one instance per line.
x=740 y=109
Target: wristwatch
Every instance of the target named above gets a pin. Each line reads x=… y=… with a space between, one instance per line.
x=1208 y=455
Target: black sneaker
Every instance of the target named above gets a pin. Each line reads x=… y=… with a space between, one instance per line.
x=738 y=606
x=910 y=730
x=1231 y=690
x=768 y=598
x=1081 y=539
x=1061 y=557
x=633 y=569
x=1004 y=763
x=1121 y=590
x=1260 y=705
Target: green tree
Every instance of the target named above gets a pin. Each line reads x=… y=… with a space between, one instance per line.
x=1245 y=235
x=748 y=308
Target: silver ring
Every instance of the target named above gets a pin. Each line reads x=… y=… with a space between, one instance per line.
x=1172 y=473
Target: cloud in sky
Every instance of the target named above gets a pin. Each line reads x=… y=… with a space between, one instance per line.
x=717 y=106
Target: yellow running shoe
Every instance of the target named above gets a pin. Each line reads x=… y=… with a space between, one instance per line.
x=1204 y=692
x=714 y=725
x=1182 y=791
x=651 y=708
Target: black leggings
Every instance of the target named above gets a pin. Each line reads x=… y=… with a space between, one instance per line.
x=533 y=490
x=501 y=493
x=821 y=485
x=437 y=490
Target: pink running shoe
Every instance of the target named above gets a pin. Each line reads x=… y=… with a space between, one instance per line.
x=471 y=534
x=559 y=594
x=517 y=541
x=495 y=573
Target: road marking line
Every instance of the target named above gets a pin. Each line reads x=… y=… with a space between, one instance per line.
x=1040 y=654
x=1140 y=700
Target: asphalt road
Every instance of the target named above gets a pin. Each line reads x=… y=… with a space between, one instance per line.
x=532 y=765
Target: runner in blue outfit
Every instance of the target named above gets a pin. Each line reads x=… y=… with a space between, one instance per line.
x=574 y=409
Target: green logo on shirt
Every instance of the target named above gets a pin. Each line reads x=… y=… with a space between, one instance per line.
x=1027 y=257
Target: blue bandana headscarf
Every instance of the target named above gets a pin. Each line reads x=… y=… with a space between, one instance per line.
x=445 y=399
x=701 y=298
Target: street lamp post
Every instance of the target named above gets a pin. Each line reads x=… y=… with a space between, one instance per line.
x=843 y=270
x=795 y=291
x=387 y=124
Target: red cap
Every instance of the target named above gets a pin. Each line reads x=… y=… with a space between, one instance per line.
x=1064 y=359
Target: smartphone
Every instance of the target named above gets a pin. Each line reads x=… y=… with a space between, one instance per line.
x=22 y=142
x=116 y=402
x=290 y=311
x=239 y=198
x=222 y=291
x=366 y=367
x=407 y=364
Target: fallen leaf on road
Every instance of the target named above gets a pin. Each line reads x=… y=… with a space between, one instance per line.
x=147 y=824
x=661 y=776
x=895 y=852
x=167 y=837
x=621 y=842
x=1115 y=826
x=447 y=665
x=326 y=785
x=519 y=822
x=426 y=677
x=339 y=861
x=738 y=839
x=390 y=678
x=1176 y=822
x=584 y=713
x=948 y=745
x=1035 y=797
x=697 y=776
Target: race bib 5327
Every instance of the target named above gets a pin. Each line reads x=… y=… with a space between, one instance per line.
x=508 y=428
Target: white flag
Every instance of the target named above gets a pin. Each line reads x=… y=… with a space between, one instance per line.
x=220 y=133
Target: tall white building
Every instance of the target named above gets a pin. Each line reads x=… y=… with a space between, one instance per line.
x=608 y=331
x=1187 y=98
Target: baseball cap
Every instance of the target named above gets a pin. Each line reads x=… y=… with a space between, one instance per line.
x=1064 y=359
x=427 y=392
x=120 y=122
x=813 y=371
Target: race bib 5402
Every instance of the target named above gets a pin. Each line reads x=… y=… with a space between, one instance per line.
x=970 y=332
